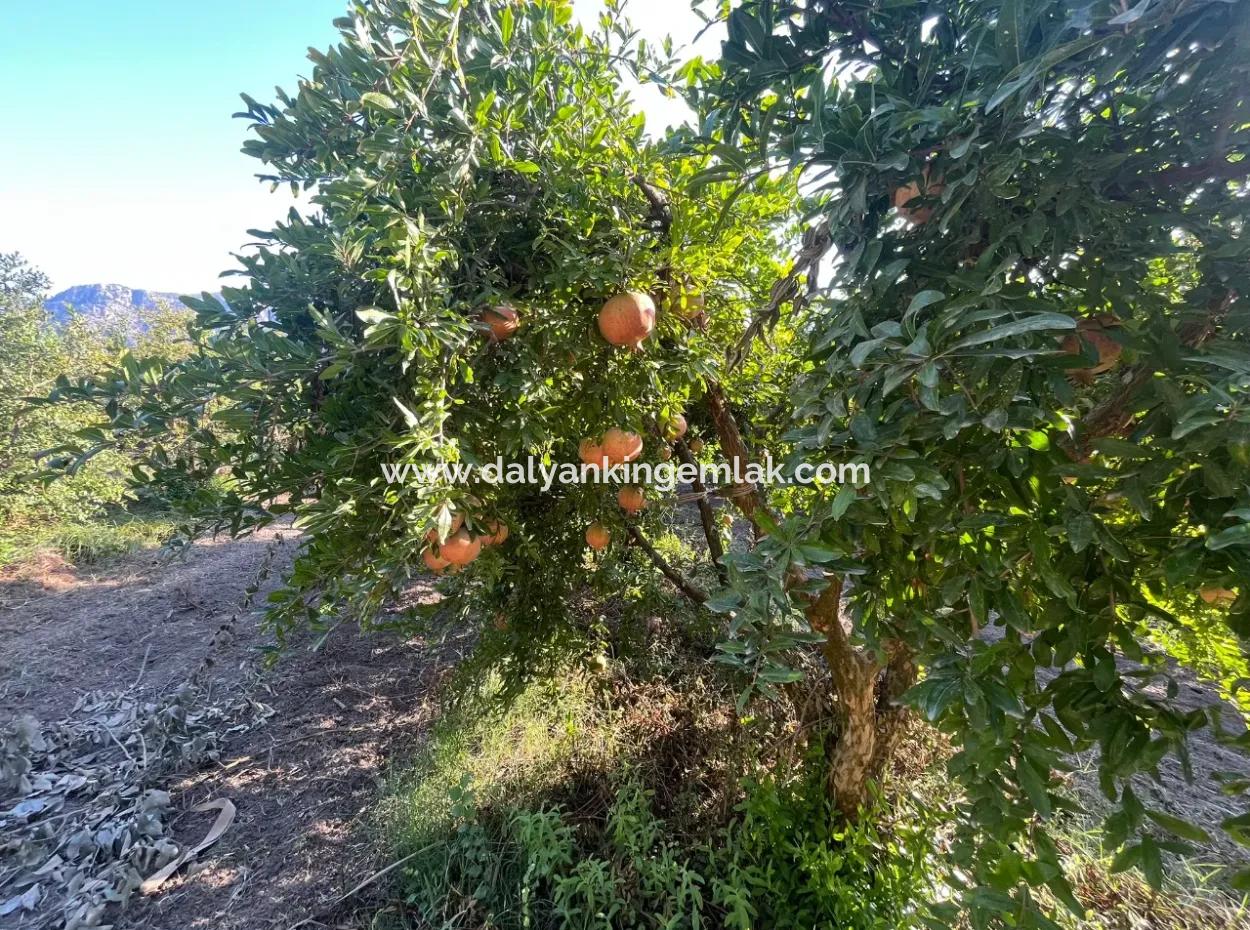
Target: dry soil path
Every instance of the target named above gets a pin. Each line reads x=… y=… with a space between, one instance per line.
x=303 y=780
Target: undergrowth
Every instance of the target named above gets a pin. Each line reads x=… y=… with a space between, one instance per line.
x=599 y=801
x=596 y=801
x=86 y=542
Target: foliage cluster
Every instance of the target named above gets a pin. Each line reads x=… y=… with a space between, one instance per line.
x=83 y=514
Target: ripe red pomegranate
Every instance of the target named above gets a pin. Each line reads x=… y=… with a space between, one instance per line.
x=592 y=453
x=461 y=548
x=433 y=561
x=621 y=446
x=627 y=319
x=498 y=533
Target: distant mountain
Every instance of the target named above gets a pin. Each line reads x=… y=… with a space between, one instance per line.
x=108 y=305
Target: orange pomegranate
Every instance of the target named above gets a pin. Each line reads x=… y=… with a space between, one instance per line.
x=1217 y=595
x=461 y=548
x=498 y=533
x=621 y=446
x=696 y=445
x=592 y=453
x=1094 y=330
x=627 y=319
x=631 y=499
x=598 y=537
x=502 y=321
x=433 y=561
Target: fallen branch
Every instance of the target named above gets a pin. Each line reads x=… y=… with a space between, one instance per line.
x=360 y=887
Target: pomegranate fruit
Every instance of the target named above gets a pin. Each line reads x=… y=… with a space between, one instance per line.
x=597 y=536
x=1094 y=330
x=592 y=453
x=696 y=446
x=687 y=304
x=461 y=548
x=498 y=533
x=621 y=446
x=433 y=561
x=502 y=322
x=1216 y=595
x=631 y=499
x=917 y=216
x=675 y=427
x=627 y=319
x=457 y=521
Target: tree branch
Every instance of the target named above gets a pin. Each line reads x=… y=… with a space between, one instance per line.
x=715 y=550
x=746 y=496
x=817 y=241
x=661 y=213
x=686 y=587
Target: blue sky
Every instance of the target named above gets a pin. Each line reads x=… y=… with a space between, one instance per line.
x=119 y=160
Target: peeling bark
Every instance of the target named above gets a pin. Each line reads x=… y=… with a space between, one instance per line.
x=897 y=677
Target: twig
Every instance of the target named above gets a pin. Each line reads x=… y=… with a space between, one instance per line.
x=143 y=667
x=360 y=887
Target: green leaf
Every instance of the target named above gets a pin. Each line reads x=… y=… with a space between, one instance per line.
x=1233 y=536
x=922 y=300
x=1181 y=828
x=724 y=601
x=378 y=100
x=1131 y=15
x=506 y=24
x=845 y=497
x=816 y=554
x=1041 y=322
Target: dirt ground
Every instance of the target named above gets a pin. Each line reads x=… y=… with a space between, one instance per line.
x=302 y=781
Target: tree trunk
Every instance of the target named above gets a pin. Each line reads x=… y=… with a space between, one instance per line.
x=852 y=763
x=899 y=675
x=854 y=675
x=865 y=692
